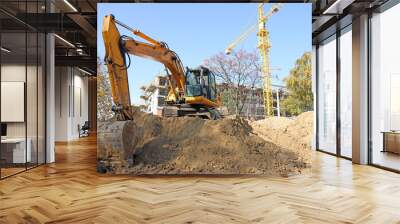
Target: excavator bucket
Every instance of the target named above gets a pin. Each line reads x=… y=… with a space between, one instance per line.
x=116 y=141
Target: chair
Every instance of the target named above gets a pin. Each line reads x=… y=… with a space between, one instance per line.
x=84 y=130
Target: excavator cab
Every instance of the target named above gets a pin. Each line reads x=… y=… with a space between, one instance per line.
x=201 y=83
x=200 y=98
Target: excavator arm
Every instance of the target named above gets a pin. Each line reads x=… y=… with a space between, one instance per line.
x=116 y=46
x=166 y=57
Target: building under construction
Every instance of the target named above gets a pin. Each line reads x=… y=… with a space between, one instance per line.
x=253 y=107
x=153 y=95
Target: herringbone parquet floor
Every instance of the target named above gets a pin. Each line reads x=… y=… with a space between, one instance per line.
x=70 y=191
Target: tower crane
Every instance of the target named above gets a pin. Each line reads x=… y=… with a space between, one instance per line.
x=263 y=46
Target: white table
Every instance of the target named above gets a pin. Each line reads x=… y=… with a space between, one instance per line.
x=18 y=144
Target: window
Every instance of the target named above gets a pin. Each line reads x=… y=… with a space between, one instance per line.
x=212 y=86
x=160 y=101
x=327 y=95
x=162 y=92
x=346 y=92
x=22 y=74
x=193 y=87
x=385 y=89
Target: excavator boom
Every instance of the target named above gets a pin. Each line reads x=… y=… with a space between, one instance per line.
x=116 y=46
x=116 y=65
x=201 y=95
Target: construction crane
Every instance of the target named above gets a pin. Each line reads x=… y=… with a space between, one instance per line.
x=263 y=46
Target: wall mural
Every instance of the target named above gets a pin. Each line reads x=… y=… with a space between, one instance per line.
x=195 y=119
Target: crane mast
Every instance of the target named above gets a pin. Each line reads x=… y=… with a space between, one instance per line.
x=263 y=46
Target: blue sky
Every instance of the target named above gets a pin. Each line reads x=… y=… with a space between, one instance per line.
x=198 y=31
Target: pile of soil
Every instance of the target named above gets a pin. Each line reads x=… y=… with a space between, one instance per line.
x=188 y=145
x=294 y=134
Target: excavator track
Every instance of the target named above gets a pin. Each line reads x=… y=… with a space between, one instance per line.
x=181 y=110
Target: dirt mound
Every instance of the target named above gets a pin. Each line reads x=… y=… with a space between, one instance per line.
x=194 y=146
x=294 y=134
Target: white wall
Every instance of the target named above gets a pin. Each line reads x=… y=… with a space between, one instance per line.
x=33 y=127
x=154 y=101
x=80 y=104
x=71 y=102
x=13 y=101
x=11 y=73
x=62 y=98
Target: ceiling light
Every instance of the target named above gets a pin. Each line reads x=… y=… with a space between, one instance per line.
x=70 y=5
x=80 y=51
x=337 y=7
x=65 y=41
x=5 y=50
x=86 y=72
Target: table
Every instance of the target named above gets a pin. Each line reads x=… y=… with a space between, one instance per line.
x=15 y=148
x=391 y=141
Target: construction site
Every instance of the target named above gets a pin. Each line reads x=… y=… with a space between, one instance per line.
x=187 y=124
x=151 y=144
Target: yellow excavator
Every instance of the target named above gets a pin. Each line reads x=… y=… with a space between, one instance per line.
x=191 y=92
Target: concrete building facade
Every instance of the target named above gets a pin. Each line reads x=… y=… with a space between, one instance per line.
x=253 y=106
x=154 y=95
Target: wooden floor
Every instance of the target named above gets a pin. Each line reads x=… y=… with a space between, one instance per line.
x=70 y=191
x=386 y=159
x=5 y=172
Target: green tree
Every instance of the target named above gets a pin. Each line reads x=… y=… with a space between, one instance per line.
x=299 y=84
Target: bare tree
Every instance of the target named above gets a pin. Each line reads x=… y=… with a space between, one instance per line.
x=236 y=74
